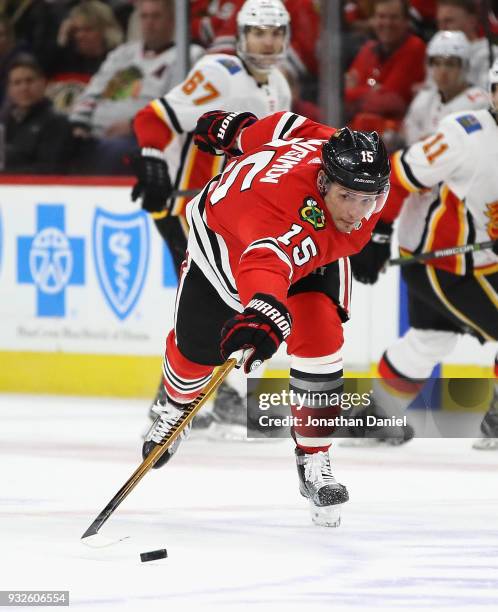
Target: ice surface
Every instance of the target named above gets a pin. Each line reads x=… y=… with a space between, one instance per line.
x=419 y=533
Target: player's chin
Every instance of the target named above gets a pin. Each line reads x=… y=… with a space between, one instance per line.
x=345 y=226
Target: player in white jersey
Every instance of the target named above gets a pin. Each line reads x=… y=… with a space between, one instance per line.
x=448 y=61
x=448 y=64
x=452 y=295
x=249 y=82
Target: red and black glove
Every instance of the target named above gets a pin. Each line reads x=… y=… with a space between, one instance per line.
x=217 y=131
x=153 y=185
x=367 y=264
x=262 y=327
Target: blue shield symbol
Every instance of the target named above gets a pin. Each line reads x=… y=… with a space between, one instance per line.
x=121 y=251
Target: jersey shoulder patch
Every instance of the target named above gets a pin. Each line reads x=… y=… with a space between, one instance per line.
x=470 y=123
x=231 y=65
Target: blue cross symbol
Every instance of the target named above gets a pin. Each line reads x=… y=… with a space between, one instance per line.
x=50 y=260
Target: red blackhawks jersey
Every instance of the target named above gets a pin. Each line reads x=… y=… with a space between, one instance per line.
x=263 y=225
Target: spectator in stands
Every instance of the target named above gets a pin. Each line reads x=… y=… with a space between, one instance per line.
x=213 y=25
x=132 y=75
x=9 y=49
x=36 y=23
x=380 y=83
x=37 y=139
x=463 y=15
x=85 y=38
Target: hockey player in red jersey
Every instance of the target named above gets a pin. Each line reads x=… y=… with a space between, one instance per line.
x=267 y=262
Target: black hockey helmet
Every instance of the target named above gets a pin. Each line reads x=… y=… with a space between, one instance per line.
x=357 y=160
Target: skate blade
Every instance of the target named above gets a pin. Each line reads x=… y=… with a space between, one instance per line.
x=486 y=444
x=326 y=516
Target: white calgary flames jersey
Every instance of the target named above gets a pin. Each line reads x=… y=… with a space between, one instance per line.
x=422 y=120
x=462 y=156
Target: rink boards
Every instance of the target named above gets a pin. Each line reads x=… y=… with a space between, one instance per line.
x=88 y=290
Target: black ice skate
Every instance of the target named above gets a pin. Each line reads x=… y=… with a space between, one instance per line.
x=489 y=428
x=167 y=416
x=318 y=485
x=371 y=435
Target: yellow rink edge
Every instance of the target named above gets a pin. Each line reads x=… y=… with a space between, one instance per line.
x=121 y=375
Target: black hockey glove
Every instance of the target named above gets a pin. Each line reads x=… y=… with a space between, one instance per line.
x=217 y=131
x=495 y=247
x=153 y=185
x=367 y=264
x=262 y=327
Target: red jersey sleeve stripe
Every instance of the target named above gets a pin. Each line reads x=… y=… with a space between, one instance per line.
x=272 y=245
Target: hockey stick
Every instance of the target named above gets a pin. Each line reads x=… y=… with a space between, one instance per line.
x=188 y=414
x=456 y=250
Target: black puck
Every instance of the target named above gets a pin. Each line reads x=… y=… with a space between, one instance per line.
x=153 y=555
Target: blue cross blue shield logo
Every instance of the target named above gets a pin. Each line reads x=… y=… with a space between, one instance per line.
x=121 y=247
x=50 y=260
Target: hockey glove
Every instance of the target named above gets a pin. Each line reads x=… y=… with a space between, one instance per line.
x=217 y=131
x=495 y=247
x=153 y=185
x=367 y=264
x=261 y=328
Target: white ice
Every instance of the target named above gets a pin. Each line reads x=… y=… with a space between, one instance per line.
x=419 y=533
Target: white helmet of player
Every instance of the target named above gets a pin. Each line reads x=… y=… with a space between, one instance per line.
x=262 y=14
x=449 y=44
x=493 y=84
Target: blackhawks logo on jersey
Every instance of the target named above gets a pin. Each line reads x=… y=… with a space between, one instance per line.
x=312 y=213
x=492 y=226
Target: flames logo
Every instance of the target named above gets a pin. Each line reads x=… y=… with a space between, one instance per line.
x=492 y=226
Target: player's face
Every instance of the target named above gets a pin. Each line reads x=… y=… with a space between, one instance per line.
x=447 y=73
x=347 y=208
x=267 y=40
x=25 y=87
